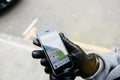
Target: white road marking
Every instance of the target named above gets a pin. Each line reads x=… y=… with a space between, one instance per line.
x=30 y=34
x=30 y=26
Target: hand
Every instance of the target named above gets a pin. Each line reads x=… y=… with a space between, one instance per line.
x=75 y=53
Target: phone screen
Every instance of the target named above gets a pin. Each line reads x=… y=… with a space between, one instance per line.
x=55 y=49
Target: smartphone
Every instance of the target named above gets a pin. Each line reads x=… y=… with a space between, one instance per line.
x=55 y=50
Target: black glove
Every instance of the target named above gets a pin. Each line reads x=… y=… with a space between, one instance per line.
x=77 y=55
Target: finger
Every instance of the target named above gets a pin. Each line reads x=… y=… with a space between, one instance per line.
x=52 y=77
x=38 y=54
x=69 y=78
x=48 y=70
x=68 y=75
x=44 y=62
x=76 y=72
x=68 y=44
x=36 y=42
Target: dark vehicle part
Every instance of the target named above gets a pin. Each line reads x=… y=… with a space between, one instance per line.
x=6 y=3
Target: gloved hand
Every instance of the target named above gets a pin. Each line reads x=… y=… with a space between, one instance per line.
x=77 y=55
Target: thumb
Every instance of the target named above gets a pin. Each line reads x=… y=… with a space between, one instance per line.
x=68 y=44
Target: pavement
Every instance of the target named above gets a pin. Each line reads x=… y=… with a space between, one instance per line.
x=92 y=24
x=16 y=62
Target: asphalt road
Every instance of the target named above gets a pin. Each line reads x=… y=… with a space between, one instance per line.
x=93 y=22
